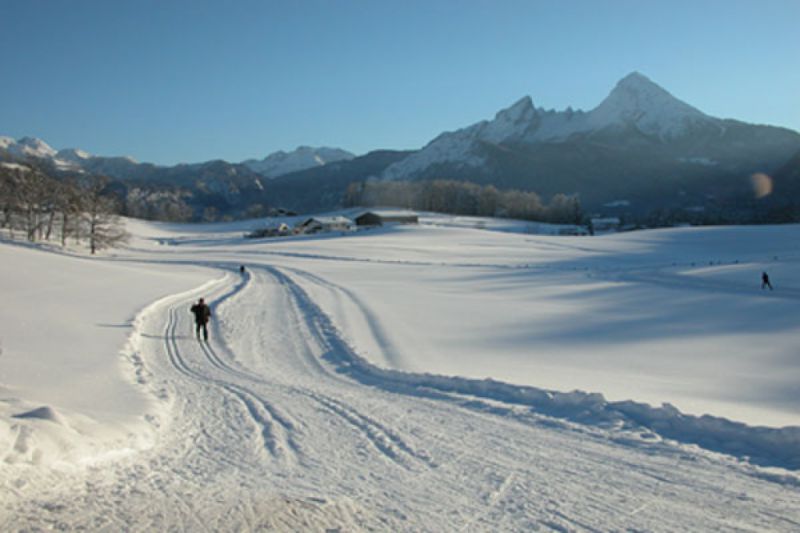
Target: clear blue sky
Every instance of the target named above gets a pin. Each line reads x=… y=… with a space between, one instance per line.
x=185 y=81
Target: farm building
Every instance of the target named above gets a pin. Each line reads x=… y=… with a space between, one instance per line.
x=604 y=225
x=573 y=230
x=274 y=230
x=324 y=224
x=379 y=218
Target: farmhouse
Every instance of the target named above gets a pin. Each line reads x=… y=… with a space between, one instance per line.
x=324 y=224
x=604 y=225
x=573 y=230
x=379 y=218
x=274 y=230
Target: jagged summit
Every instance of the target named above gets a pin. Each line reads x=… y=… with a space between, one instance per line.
x=519 y=110
x=638 y=101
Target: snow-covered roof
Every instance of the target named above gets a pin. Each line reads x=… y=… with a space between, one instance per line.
x=390 y=213
x=329 y=220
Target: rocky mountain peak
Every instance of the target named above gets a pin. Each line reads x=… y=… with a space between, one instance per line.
x=638 y=101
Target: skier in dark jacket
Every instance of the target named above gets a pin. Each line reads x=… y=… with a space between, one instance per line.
x=765 y=281
x=201 y=313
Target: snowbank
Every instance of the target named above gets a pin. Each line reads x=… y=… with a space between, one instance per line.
x=70 y=393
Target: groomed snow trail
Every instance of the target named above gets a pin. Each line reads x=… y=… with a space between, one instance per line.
x=264 y=428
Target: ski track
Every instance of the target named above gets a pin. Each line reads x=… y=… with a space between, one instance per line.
x=314 y=443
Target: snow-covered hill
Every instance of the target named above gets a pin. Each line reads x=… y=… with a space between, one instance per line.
x=459 y=375
x=302 y=158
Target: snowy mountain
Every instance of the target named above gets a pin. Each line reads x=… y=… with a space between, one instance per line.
x=27 y=147
x=123 y=167
x=635 y=102
x=638 y=137
x=638 y=101
x=31 y=147
x=640 y=150
x=70 y=159
x=127 y=168
x=306 y=178
x=304 y=157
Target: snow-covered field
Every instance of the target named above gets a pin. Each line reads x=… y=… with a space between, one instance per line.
x=459 y=375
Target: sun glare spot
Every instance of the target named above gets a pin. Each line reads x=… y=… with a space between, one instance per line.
x=762 y=184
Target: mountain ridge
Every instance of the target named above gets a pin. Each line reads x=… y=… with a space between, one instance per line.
x=640 y=149
x=125 y=167
x=635 y=101
x=303 y=157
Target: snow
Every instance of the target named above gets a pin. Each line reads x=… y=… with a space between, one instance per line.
x=74 y=155
x=638 y=100
x=302 y=158
x=448 y=147
x=48 y=362
x=460 y=374
x=31 y=146
x=14 y=166
x=508 y=122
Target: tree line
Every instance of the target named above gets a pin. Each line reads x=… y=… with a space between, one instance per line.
x=43 y=208
x=464 y=198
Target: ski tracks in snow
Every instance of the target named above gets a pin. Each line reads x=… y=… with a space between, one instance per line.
x=274 y=425
x=275 y=429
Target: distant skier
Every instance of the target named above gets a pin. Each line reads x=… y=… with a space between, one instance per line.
x=765 y=281
x=241 y=270
x=201 y=313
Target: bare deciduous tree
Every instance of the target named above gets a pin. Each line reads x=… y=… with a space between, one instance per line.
x=100 y=218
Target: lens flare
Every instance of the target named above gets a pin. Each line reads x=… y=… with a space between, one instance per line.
x=762 y=184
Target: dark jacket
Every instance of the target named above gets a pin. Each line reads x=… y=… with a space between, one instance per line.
x=201 y=313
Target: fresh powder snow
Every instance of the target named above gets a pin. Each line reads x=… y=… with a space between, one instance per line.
x=462 y=374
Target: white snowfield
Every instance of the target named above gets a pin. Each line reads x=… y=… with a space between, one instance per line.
x=459 y=375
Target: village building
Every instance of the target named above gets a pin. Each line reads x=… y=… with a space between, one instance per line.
x=573 y=230
x=604 y=225
x=380 y=218
x=324 y=224
x=274 y=230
